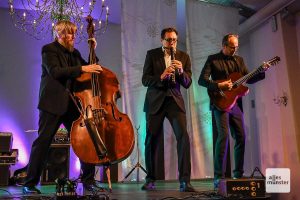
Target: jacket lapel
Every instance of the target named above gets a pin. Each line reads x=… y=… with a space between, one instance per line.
x=162 y=59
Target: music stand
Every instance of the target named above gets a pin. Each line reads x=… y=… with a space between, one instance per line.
x=138 y=164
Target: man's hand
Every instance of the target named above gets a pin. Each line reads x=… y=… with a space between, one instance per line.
x=178 y=66
x=93 y=42
x=167 y=73
x=225 y=85
x=94 y=68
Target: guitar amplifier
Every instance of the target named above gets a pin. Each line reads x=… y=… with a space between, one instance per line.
x=9 y=158
x=57 y=165
x=242 y=187
x=5 y=142
x=61 y=137
x=4 y=175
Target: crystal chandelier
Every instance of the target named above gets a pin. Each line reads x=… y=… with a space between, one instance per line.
x=39 y=16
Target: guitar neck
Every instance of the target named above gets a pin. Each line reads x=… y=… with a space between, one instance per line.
x=247 y=76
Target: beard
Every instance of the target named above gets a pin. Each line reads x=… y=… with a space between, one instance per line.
x=69 y=45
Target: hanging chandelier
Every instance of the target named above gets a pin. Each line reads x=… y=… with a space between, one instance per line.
x=38 y=17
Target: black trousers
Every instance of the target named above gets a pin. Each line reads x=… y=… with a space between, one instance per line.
x=154 y=126
x=48 y=126
x=233 y=122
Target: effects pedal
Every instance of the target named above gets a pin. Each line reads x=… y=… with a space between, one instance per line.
x=242 y=187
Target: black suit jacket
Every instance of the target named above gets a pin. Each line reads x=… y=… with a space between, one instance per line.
x=157 y=90
x=57 y=76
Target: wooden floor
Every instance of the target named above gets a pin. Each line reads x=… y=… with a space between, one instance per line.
x=166 y=190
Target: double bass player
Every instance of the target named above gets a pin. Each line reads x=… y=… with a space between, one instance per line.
x=61 y=65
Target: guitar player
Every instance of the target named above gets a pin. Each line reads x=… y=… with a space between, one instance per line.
x=215 y=76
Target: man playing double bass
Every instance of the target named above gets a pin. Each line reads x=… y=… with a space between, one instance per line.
x=61 y=65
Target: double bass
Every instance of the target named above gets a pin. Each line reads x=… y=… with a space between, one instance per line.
x=102 y=134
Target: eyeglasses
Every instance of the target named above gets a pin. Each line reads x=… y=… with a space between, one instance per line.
x=232 y=47
x=171 y=39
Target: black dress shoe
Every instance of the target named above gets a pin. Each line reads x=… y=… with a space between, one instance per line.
x=186 y=187
x=31 y=190
x=93 y=186
x=148 y=186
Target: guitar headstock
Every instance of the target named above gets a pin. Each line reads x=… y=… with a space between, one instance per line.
x=268 y=64
x=273 y=61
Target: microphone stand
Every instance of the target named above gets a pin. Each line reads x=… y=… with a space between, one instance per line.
x=138 y=164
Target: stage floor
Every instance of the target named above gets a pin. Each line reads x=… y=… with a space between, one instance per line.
x=124 y=191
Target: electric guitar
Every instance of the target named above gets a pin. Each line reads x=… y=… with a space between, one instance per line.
x=225 y=100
